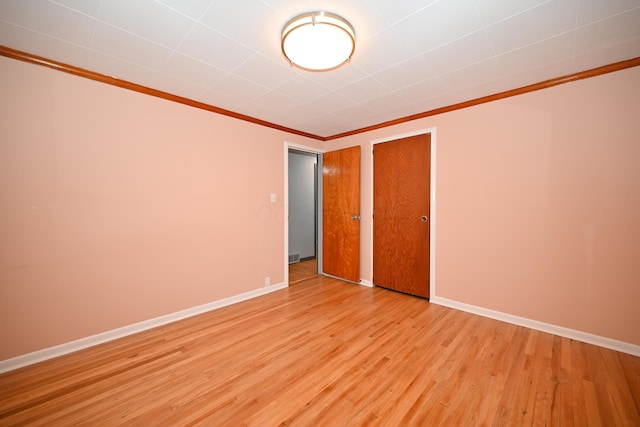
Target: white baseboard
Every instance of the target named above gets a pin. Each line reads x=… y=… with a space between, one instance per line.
x=541 y=326
x=366 y=283
x=70 y=347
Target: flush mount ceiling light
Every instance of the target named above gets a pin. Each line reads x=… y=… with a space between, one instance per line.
x=318 y=41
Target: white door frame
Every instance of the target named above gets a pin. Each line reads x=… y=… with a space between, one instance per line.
x=432 y=201
x=312 y=150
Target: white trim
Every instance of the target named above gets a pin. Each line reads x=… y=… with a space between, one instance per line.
x=541 y=326
x=300 y=147
x=432 y=200
x=90 y=341
x=432 y=213
x=366 y=283
x=286 y=212
x=312 y=150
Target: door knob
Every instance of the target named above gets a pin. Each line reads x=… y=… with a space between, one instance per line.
x=424 y=218
x=355 y=217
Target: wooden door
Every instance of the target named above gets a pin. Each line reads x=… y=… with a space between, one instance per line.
x=401 y=187
x=341 y=213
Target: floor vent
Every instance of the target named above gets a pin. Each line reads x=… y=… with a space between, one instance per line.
x=293 y=258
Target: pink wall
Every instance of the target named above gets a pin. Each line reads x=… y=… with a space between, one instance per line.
x=538 y=204
x=119 y=207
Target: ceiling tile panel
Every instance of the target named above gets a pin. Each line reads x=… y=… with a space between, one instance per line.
x=167 y=27
x=37 y=43
x=487 y=88
x=438 y=24
x=321 y=123
x=191 y=8
x=286 y=6
x=266 y=115
x=302 y=112
x=541 y=73
x=222 y=100
x=405 y=74
x=49 y=18
x=124 y=70
x=214 y=48
x=394 y=11
x=460 y=53
x=240 y=87
x=474 y=75
x=355 y=112
x=301 y=88
x=331 y=102
x=535 y=55
x=190 y=69
x=273 y=102
x=381 y=117
x=590 y=11
x=124 y=45
x=337 y=78
x=547 y=20
x=224 y=15
x=385 y=103
x=607 y=55
x=264 y=71
x=363 y=90
x=423 y=90
x=171 y=84
x=608 y=33
x=446 y=99
x=493 y=11
x=287 y=117
x=89 y=7
x=367 y=58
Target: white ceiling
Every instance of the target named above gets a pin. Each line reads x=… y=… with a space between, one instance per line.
x=411 y=56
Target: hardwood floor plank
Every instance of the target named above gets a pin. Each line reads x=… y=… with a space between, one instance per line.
x=303 y=270
x=590 y=398
x=578 y=372
x=326 y=353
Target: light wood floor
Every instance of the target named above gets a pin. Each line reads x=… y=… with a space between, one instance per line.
x=324 y=352
x=303 y=270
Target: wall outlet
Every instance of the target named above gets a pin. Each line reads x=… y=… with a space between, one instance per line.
x=267 y=281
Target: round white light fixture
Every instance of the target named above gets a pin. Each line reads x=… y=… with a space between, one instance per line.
x=318 y=41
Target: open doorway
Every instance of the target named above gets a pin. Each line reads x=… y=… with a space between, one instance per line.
x=303 y=190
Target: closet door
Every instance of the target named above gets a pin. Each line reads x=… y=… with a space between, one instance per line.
x=401 y=187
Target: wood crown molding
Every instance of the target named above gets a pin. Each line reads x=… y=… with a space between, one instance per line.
x=617 y=66
x=81 y=72
x=38 y=60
